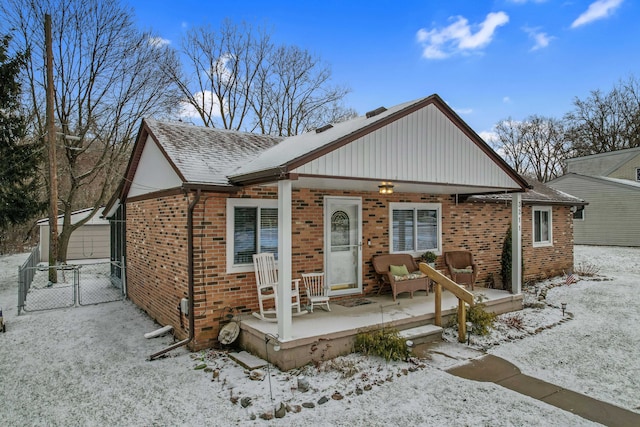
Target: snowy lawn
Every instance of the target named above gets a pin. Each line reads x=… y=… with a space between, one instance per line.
x=87 y=366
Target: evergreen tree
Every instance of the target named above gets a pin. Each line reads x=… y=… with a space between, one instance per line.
x=506 y=261
x=19 y=160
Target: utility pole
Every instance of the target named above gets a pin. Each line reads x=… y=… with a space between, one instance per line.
x=51 y=144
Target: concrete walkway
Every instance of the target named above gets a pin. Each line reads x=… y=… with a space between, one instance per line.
x=489 y=368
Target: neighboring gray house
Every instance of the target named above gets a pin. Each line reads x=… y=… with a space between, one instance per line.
x=91 y=241
x=610 y=184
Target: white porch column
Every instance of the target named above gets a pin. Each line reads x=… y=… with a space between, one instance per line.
x=284 y=260
x=516 y=243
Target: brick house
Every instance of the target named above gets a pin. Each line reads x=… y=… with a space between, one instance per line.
x=198 y=202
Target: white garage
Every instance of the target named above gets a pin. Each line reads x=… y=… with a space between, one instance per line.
x=91 y=241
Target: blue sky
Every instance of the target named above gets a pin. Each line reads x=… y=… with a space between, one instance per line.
x=489 y=60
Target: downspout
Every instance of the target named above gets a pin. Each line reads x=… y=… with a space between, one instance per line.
x=190 y=287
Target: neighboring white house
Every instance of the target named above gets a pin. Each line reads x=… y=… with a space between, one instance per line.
x=91 y=241
x=610 y=184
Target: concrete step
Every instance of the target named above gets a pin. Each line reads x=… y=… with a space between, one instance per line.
x=422 y=334
x=247 y=360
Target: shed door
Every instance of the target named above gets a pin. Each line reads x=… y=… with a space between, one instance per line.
x=343 y=247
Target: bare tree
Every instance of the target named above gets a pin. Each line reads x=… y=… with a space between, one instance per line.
x=297 y=95
x=241 y=81
x=510 y=143
x=536 y=147
x=225 y=65
x=108 y=76
x=606 y=122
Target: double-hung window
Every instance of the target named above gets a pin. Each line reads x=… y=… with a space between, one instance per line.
x=542 y=227
x=415 y=227
x=252 y=228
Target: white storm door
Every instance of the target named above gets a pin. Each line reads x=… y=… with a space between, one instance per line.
x=343 y=244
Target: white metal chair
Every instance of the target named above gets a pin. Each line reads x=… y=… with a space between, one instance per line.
x=267 y=282
x=317 y=292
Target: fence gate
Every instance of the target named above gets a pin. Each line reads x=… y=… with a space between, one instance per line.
x=95 y=284
x=76 y=284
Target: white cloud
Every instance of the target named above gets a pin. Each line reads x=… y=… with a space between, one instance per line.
x=206 y=100
x=599 y=9
x=458 y=36
x=506 y=100
x=158 y=42
x=220 y=70
x=541 y=40
x=488 y=136
x=464 y=111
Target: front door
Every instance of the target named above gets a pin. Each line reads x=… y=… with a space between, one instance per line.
x=343 y=245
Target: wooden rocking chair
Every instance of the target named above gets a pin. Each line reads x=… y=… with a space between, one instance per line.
x=267 y=282
x=317 y=292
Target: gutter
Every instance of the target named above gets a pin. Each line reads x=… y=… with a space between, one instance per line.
x=190 y=288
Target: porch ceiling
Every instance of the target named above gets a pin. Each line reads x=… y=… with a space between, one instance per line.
x=367 y=185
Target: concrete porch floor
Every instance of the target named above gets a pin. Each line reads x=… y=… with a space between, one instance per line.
x=323 y=335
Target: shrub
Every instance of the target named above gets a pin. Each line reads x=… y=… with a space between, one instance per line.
x=429 y=257
x=507 y=260
x=482 y=319
x=515 y=321
x=385 y=343
x=586 y=269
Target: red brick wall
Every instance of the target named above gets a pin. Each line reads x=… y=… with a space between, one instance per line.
x=157 y=252
x=157 y=268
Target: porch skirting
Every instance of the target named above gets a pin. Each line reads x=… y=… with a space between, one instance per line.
x=322 y=335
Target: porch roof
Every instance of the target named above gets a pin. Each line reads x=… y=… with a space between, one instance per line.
x=421 y=145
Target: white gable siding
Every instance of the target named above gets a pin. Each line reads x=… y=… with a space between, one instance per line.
x=154 y=173
x=610 y=218
x=424 y=146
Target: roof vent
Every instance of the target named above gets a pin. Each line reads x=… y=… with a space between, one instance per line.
x=323 y=128
x=376 y=112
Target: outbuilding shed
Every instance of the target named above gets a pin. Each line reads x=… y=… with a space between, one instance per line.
x=91 y=241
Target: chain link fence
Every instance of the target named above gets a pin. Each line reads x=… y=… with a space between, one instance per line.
x=76 y=284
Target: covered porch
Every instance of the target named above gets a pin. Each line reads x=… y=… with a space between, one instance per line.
x=322 y=335
x=392 y=177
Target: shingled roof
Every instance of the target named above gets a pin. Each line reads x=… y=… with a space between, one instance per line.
x=206 y=155
x=537 y=194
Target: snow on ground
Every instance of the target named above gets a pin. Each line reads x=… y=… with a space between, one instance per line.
x=597 y=352
x=88 y=366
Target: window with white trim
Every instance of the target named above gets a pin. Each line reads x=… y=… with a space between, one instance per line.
x=542 y=226
x=415 y=228
x=252 y=227
x=579 y=214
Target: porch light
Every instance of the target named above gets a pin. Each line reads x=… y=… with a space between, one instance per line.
x=385 y=188
x=564 y=307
